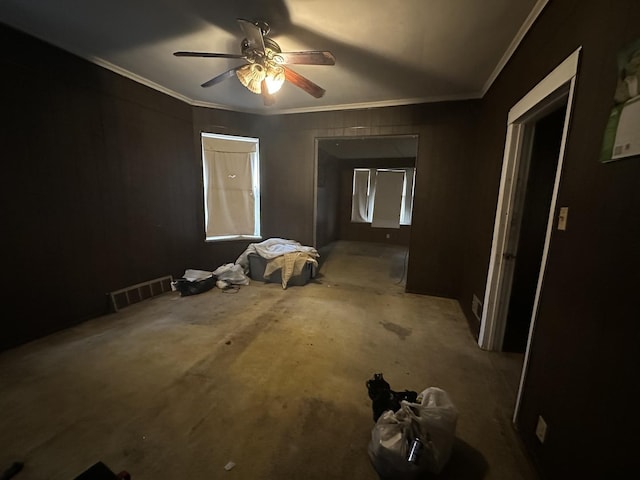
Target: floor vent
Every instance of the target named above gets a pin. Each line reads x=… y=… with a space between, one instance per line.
x=476 y=308
x=141 y=291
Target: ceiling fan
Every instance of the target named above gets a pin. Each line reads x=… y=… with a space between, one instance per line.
x=266 y=70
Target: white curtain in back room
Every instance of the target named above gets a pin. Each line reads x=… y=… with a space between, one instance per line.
x=388 y=199
x=360 y=201
x=407 y=196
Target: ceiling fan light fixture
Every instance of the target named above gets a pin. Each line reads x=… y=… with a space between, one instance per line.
x=251 y=76
x=274 y=79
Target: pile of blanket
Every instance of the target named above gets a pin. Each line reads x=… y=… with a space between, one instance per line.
x=288 y=255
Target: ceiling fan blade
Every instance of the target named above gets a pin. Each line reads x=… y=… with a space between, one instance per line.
x=303 y=83
x=208 y=55
x=223 y=76
x=253 y=34
x=308 y=58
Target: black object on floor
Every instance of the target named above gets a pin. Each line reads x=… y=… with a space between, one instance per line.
x=383 y=398
x=12 y=470
x=188 y=287
x=100 y=471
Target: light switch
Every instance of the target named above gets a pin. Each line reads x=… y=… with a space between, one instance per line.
x=541 y=429
x=562 y=218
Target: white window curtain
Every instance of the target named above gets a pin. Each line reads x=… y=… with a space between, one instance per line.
x=229 y=176
x=373 y=179
x=360 y=199
x=365 y=185
x=407 y=196
x=388 y=199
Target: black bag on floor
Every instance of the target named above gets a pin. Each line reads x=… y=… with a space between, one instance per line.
x=187 y=287
x=383 y=398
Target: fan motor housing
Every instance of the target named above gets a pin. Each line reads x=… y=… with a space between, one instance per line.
x=270 y=46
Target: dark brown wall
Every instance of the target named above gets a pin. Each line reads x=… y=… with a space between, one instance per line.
x=446 y=154
x=582 y=377
x=328 y=204
x=97 y=184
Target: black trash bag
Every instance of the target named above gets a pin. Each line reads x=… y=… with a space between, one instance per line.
x=188 y=287
x=383 y=398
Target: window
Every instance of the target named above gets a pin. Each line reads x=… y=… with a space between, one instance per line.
x=383 y=197
x=408 y=189
x=231 y=173
x=361 y=195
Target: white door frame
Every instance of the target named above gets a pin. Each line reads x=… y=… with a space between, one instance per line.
x=557 y=86
x=533 y=105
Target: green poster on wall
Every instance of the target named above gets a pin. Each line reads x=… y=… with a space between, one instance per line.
x=622 y=133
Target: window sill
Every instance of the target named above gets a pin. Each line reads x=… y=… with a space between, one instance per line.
x=369 y=223
x=231 y=238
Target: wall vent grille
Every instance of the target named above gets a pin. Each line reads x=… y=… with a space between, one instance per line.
x=476 y=307
x=140 y=291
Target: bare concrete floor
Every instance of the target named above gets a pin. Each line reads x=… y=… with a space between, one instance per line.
x=270 y=379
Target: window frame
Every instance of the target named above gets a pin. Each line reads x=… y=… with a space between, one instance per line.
x=370 y=200
x=255 y=183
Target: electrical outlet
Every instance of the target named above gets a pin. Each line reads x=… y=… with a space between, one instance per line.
x=541 y=429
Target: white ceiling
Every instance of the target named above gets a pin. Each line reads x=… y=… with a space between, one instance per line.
x=387 y=52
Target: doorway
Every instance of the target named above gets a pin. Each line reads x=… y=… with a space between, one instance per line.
x=338 y=159
x=527 y=252
x=339 y=163
x=551 y=94
x=555 y=92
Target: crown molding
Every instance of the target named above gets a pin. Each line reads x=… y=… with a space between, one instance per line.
x=386 y=103
x=313 y=109
x=513 y=46
x=136 y=78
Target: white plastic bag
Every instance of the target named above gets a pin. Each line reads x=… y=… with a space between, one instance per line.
x=433 y=420
x=389 y=446
x=196 y=275
x=232 y=273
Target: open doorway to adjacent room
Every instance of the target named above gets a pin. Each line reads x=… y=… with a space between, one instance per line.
x=364 y=192
x=527 y=244
x=537 y=129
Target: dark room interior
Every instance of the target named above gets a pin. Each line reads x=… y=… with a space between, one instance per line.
x=102 y=189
